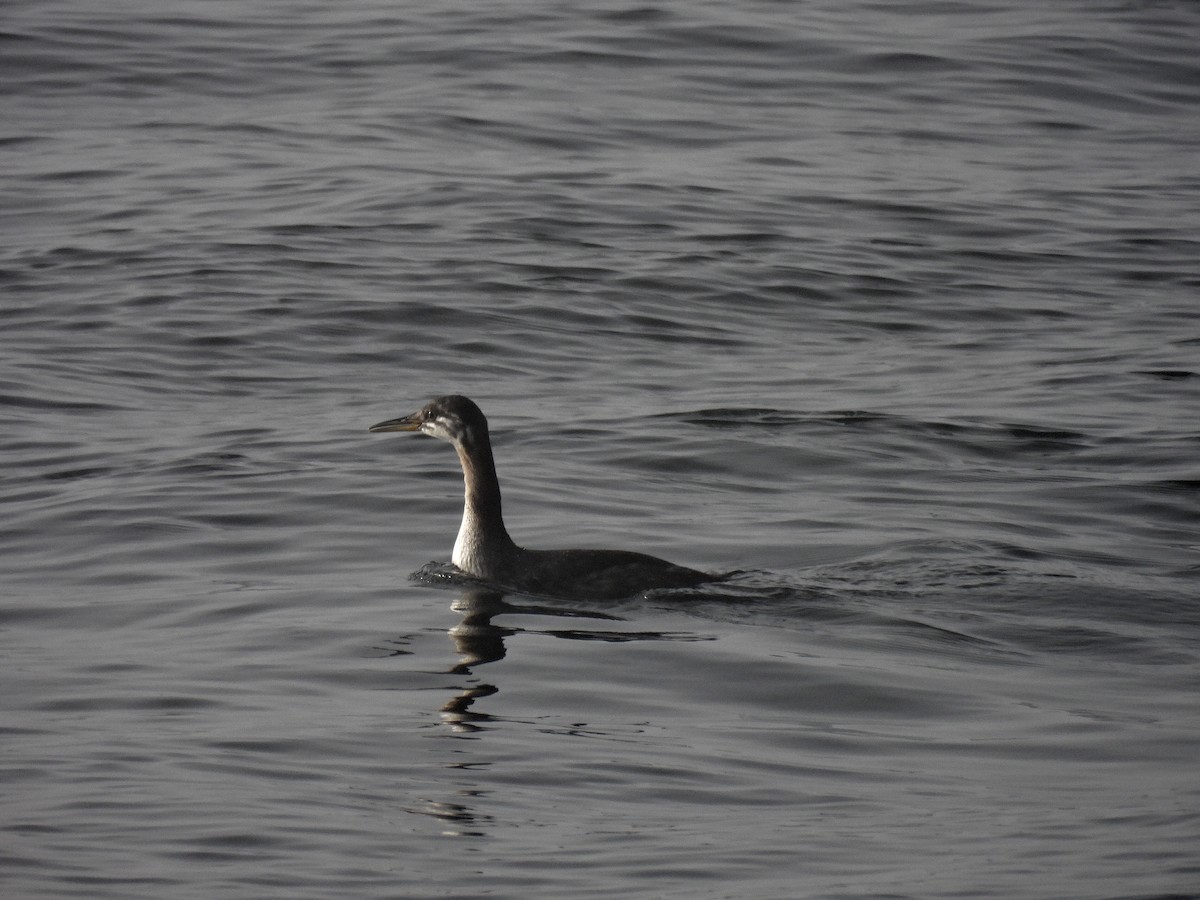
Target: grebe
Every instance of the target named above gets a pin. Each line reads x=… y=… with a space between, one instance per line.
x=484 y=549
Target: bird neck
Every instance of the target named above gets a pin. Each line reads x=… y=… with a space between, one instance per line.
x=483 y=544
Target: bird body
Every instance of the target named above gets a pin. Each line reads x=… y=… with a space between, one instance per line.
x=483 y=547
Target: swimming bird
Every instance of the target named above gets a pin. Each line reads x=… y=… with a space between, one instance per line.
x=485 y=550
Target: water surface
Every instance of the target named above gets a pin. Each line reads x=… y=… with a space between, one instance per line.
x=890 y=308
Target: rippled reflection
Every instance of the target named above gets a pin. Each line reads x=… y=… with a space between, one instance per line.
x=478 y=640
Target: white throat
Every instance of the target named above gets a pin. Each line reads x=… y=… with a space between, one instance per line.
x=466 y=545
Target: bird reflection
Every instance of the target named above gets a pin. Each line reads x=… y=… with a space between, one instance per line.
x=460 y=819
x=476 y=639
x=479 y=641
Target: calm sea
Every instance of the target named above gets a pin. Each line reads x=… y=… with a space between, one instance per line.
x=894 y=308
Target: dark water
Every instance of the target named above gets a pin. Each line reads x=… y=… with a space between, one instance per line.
x=891 y=307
